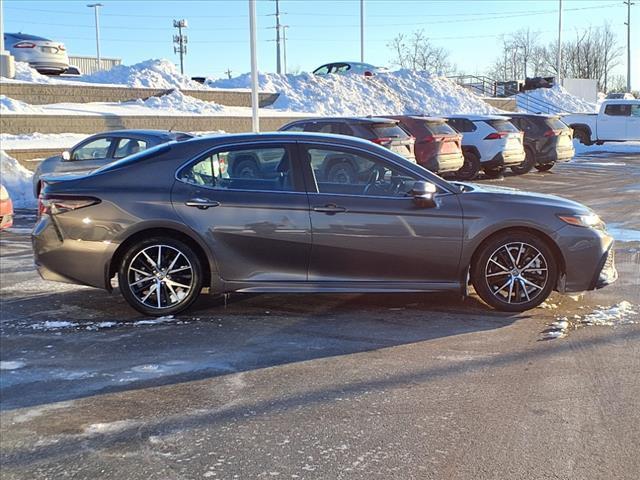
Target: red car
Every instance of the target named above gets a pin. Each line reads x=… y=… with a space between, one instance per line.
x=438 y=146
x=6 y=209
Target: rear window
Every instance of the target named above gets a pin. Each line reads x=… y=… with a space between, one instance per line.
x=502 y=125
x=555 y=124
x=439 y=128
x=388 y=130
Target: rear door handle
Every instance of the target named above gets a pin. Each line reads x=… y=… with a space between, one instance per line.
x=201 y=203
x=331 y=208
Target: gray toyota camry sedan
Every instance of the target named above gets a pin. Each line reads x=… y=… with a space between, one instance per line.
x=184 y=216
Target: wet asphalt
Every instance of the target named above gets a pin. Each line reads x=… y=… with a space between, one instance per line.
x=326 y=386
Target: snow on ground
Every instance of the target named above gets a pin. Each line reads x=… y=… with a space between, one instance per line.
x=609 y=147
x=619 y=314
x=9 y=105
x=401 y=92
x=24 y=73
x=35 y=141
x=17 y=181
x=176 y=101
x=558 y=97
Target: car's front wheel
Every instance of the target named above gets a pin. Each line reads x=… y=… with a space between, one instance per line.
x=493 y=172
x=160 y=276
x=514 y=271
x=545 y=166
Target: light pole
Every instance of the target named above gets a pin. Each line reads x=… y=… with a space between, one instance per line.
x=255 y=120
x=628 y=3
x=95 y=7
x=362 y=31
x=559 y=52
x=284 y=48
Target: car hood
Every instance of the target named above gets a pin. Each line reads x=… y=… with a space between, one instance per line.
x=513 y=195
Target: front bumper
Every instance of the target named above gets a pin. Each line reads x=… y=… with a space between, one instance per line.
x=588 y=257
x=506 y=158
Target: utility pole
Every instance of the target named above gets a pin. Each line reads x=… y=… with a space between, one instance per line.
x=96 y=7
x=284 y=47
x=362 y=31
x=278 y=26
x=559 y=52
x=255 y=119
x=180 y=41
x=628 y=3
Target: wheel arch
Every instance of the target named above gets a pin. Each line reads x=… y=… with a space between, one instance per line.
x=471 y=149
x=582 y=127
x=208 y=263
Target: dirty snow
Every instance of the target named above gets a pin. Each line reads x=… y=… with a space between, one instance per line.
x=17 y=181
x=558 y=97
x=155 y=321
x=177 y=101
x=619 y=314
x=9 y=105
x=400 y=92
x=53 y=325
x=11 y=364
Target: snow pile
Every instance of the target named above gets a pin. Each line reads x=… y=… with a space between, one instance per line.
x=150 y=73
x=17 y=181
x=9 y=105
x=400 y=92
x=558 y=97
x=618 y=314
x=11 y=364
x=621 y=147
x=177 y=101
x=10 y=141
x=24 y=73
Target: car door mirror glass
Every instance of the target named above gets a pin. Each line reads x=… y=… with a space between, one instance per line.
x=424 y=194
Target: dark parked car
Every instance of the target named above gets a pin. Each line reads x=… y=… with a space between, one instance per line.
x=102 y=148
x=438 y=146
x=174 y=219
x=382 y=131
x=547 y=140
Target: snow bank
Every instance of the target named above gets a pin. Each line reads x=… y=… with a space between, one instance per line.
x=158 y=73
x=617 y=147
x=9 y=105
x=558 y=97
x=176 y=101
x=24 y=73
x=400 y=92
x=17 y=181
x=9 y=141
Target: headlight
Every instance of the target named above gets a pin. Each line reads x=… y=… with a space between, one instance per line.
x=591 y=220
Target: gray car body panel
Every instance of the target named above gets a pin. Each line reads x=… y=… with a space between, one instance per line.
x=275 y=242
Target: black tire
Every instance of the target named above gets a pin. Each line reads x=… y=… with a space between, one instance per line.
x=470 y=168
x=491 y=281
x=341 y=172
x=170 y=284
x=246 y=169
x=527 y=165
x=582 y=136
x=493 y=172
x=545 y=166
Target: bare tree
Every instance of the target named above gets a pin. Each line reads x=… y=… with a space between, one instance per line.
x=416 y=52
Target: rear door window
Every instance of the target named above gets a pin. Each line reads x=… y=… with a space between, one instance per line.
x=502 y=125
x=323 y=70
x=635 y=111
x=619 y=110
x=129 y=146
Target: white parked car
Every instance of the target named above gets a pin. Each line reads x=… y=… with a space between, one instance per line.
x=46 y=56
x=358 y=68
x=616 y=121
x=489 y=142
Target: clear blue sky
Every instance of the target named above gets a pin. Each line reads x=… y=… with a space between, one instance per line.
x=319 y=30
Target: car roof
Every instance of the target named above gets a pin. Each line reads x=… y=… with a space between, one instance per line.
x=26 y=36
x=283 y=136
x=475 y=118
x=420 y=117
x=529 y=115
x=143 y=132
x=347 y=119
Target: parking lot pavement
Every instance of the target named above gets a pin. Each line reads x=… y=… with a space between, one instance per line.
x=320 y=386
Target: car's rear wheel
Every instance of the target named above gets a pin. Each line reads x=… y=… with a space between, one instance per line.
x=493 y=172
x=160 y=276
x=527 y=165
x=470 y=167
x=545 y=166
x=514 y=271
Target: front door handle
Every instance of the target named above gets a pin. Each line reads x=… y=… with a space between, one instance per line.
x=201 y=203
x=331 y=208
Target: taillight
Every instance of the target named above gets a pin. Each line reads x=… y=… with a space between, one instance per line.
x=24 y=45
x=367 y=73
x=496 y=135
x=551 y=133
x=381 y=140
x=57 y=204
x=429 y=139
x=62 y=48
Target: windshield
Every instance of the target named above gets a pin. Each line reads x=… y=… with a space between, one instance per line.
x=502 y=125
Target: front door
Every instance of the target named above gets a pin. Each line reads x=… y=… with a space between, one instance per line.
x=612 y=125
x=368 y=228
x=249 y=205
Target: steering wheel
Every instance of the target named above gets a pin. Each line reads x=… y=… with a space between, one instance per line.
x=374 y=178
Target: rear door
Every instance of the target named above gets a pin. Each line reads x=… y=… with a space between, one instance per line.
x=370 y=230
x=254 y=219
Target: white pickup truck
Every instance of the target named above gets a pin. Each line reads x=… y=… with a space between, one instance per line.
x=617 y=121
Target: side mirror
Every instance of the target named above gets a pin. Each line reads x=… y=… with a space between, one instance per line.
x=424 y=194
x=66 y=155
